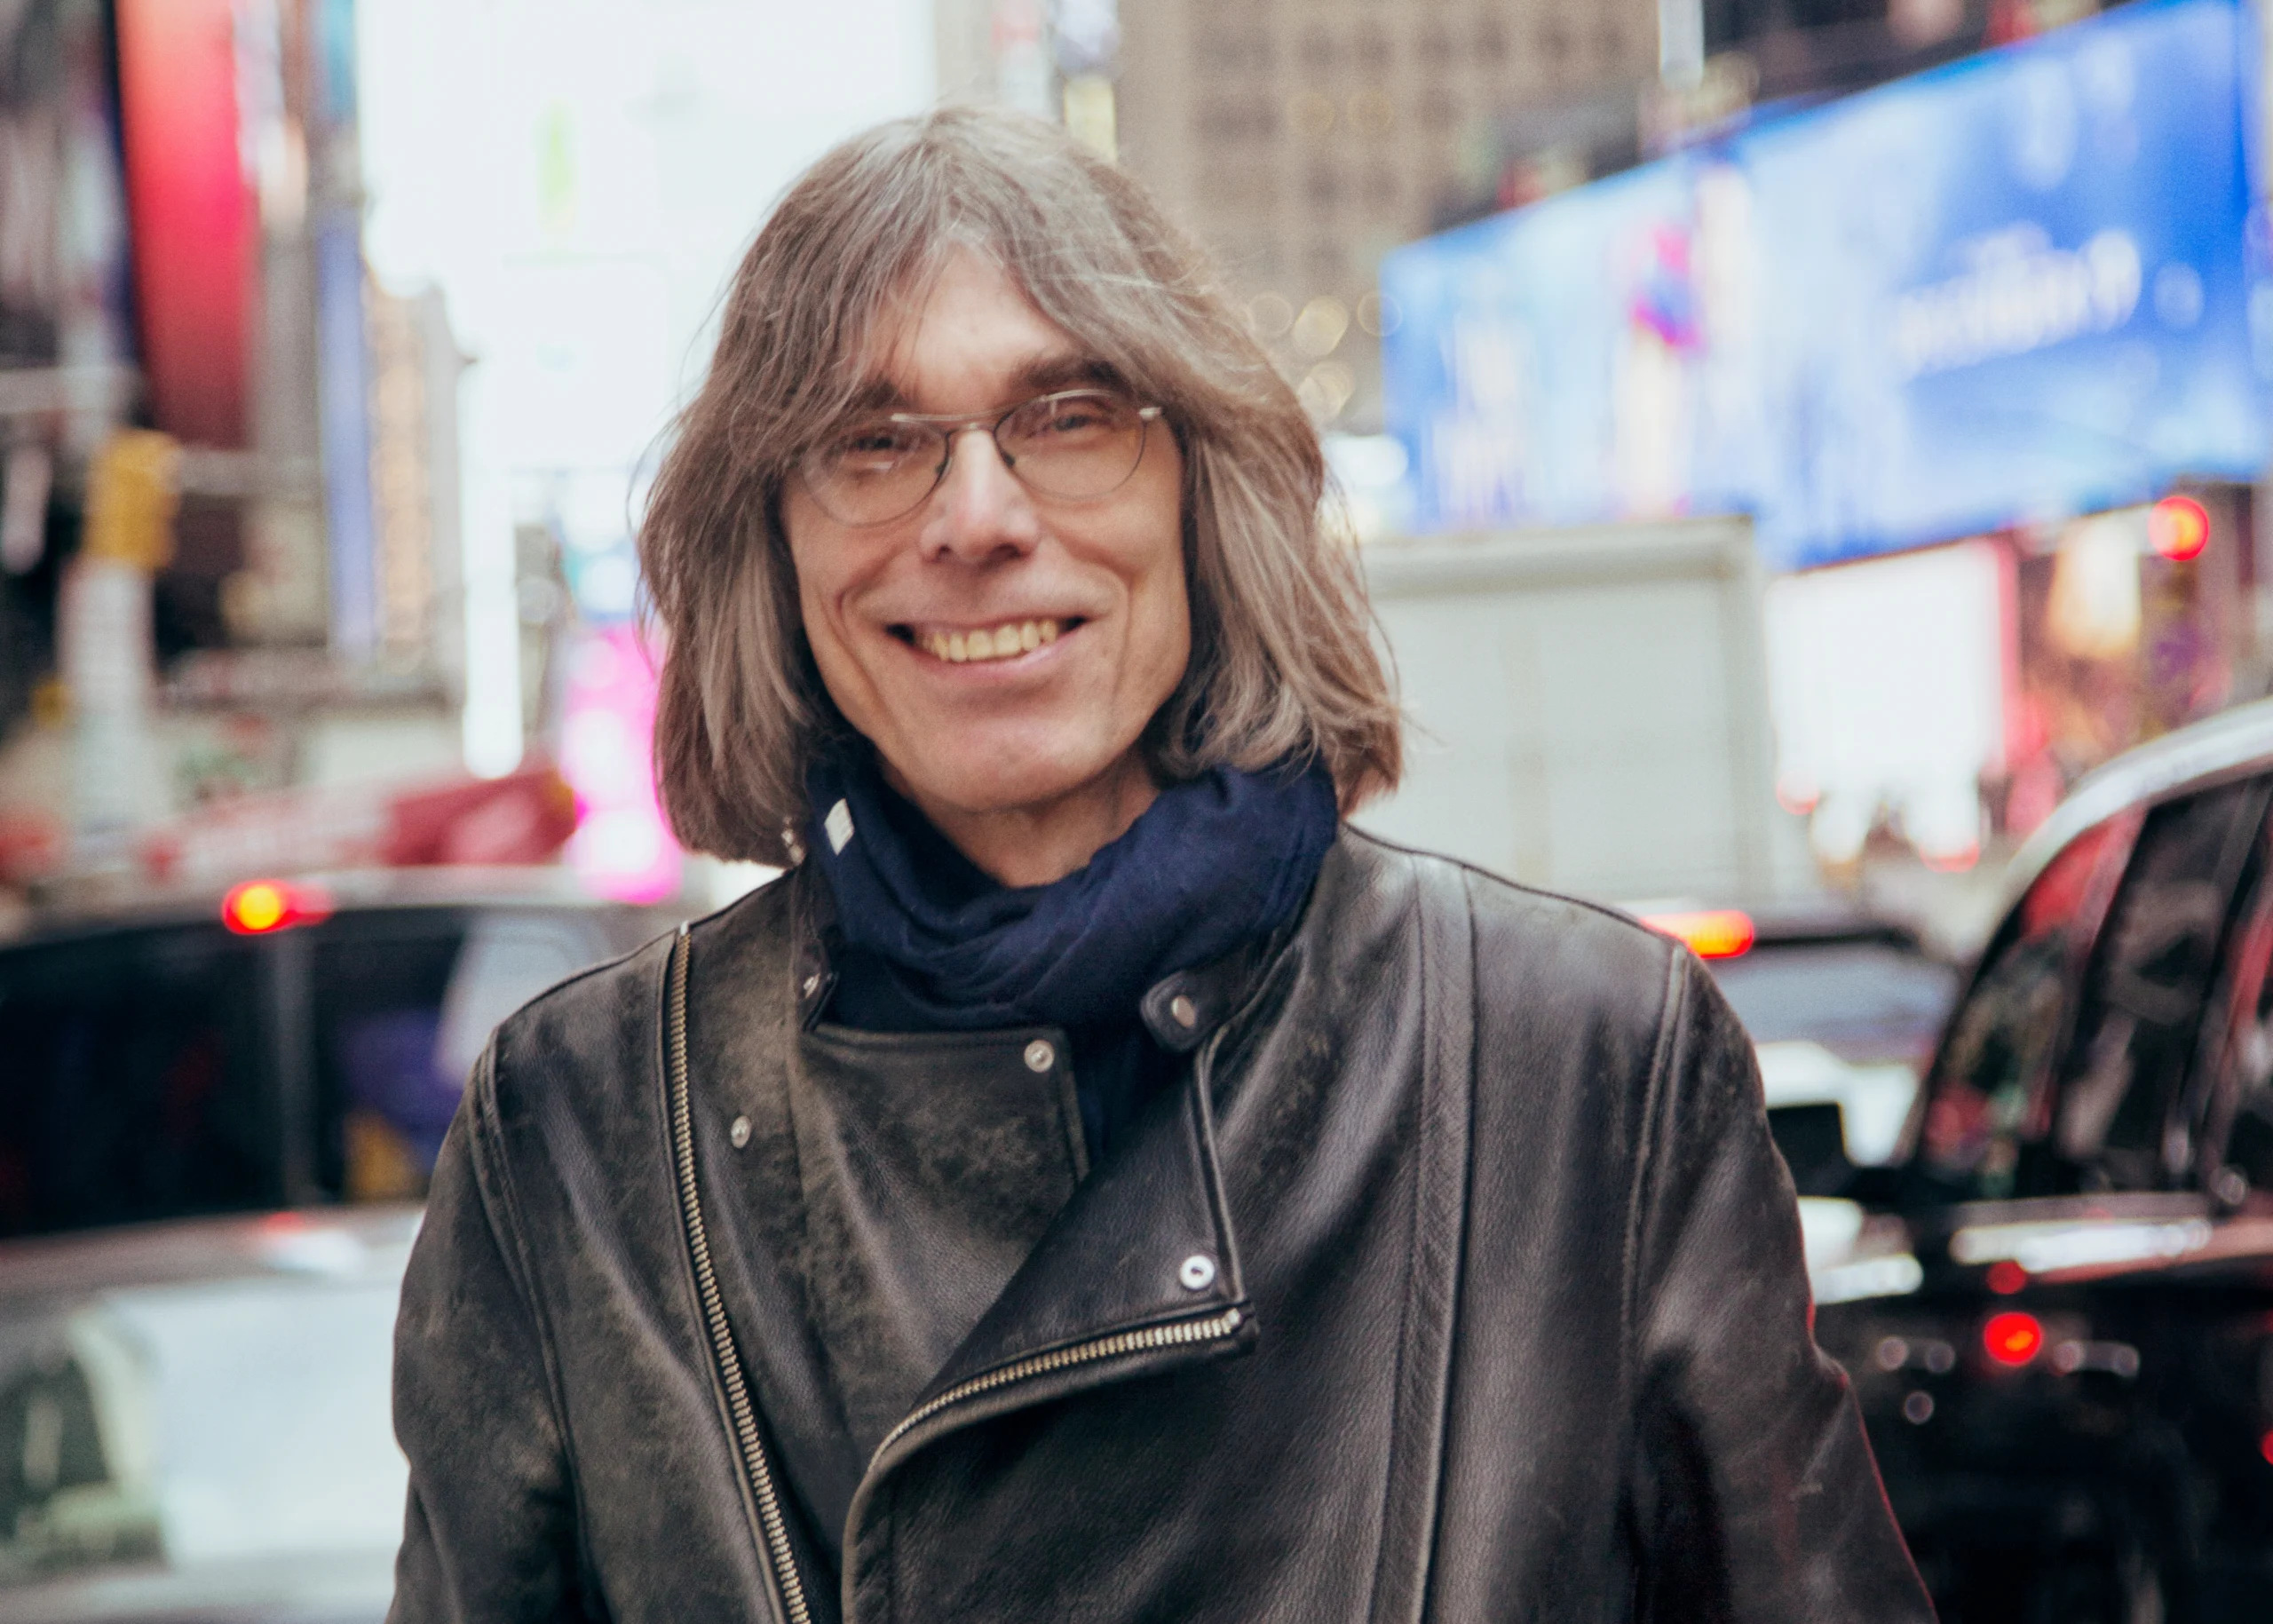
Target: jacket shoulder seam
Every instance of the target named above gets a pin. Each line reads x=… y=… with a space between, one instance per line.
x=751 y=898
x=617 y=963
x=612 y=965
x=493 y=1166
x=1494 y=881
x=1649 y=1131
x=1428 y=1332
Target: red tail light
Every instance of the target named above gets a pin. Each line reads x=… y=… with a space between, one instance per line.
x=2006 y=1277
x=2013 y=1338
x=1711 y=933
x=259 y=906
x=2179 y=528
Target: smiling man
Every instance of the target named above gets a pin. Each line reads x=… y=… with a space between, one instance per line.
x=1001 y=629
x=1095 y=1182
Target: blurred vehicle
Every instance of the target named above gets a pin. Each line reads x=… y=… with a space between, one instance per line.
x=194 y=1417
x=2057 y=1304
x=1843 y=1005
x=1590 y=707
x=295 y=1044
x=194 y=1420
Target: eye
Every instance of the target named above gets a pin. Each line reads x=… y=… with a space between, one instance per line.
x=1072 y=416
x=872 y=445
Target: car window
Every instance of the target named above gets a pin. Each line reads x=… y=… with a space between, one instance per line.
x=135 y=1084
x=1984 y=1097
x=403 y=1002
x=2140 y=1020
x=75 y=1463
x=2231 y=1106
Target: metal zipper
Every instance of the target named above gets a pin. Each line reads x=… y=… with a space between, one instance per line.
x=1182 y=1334
x=772 y=1525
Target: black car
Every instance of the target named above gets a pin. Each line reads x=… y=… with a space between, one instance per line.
x=2057 y=1305
x=216 y=1119
x=291 y=1044
x=1828 y=970
x=1843 y=1004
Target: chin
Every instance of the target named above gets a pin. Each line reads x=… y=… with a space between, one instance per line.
x=978 y=779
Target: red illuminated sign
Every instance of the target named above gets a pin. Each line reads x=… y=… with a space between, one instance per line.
x=191 y=218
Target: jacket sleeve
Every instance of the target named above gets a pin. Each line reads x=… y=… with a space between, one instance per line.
x=1754 y=1494
x=490 y=1532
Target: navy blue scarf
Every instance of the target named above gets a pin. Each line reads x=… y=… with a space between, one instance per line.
x=930 y=942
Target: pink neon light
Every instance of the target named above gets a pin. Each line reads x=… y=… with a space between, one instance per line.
x=622 y=847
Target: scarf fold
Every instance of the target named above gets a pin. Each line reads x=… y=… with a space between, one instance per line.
x=1214 y=862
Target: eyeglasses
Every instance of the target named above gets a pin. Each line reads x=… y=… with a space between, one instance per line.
x=1077 y=445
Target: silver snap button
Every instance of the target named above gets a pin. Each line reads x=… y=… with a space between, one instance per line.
x=810 y=983
x=739 y=1132
x=1186 y=1012
x=1198 y=1272
x=1040 y=1056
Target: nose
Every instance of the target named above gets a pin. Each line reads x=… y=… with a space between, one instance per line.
x=980 y=511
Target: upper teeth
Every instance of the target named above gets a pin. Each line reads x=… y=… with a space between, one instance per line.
x=1015 y=637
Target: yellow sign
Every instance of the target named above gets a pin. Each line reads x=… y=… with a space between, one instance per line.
x=131 y=496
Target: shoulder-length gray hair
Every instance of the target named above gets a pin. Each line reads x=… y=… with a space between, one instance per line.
x=1282 y=665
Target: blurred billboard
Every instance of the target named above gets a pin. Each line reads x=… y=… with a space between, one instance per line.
x=2029 y=284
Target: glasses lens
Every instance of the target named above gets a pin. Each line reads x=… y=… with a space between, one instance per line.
x=873 y=472
x=1079 y=445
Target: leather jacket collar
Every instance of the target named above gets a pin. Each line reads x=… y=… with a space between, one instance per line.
x=1181 y=1010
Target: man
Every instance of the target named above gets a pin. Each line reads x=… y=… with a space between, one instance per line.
x=1094 y=1183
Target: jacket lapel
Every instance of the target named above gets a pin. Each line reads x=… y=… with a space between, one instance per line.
x=1144 y=1239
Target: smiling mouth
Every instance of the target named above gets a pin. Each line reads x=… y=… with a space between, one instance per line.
x=1006 y=641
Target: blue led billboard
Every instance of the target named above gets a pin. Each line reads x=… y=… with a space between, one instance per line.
x=2027 y=284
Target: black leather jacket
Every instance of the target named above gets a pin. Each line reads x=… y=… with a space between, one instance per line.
x=1457 y=1280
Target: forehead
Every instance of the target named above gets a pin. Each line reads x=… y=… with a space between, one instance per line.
x=969 y=338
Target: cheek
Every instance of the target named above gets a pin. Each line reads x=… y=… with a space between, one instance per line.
x=797 y=523
x=812 y=603
x=820 y=634
x=1162 y=620
x=820 y=564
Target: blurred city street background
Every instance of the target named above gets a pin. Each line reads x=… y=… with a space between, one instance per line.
x=1753 y=415
x=1790 y=443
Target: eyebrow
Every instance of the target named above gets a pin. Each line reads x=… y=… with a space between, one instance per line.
x=1043 y=375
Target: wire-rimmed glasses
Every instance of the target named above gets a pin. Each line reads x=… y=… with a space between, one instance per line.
x=1076 y=445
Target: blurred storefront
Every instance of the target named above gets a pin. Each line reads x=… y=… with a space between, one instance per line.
x=1948 y=343
x=232 y=624
x=64 y=348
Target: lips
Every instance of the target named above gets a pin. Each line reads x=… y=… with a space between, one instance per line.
x=1006 y=641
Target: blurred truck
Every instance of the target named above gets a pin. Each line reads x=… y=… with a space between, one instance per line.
x=1590 y=710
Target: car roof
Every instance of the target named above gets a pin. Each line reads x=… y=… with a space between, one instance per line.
x=2219 y=747
x=337 y=1243
x=1826 y=918
x=547 y=886
x=1806 y=918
